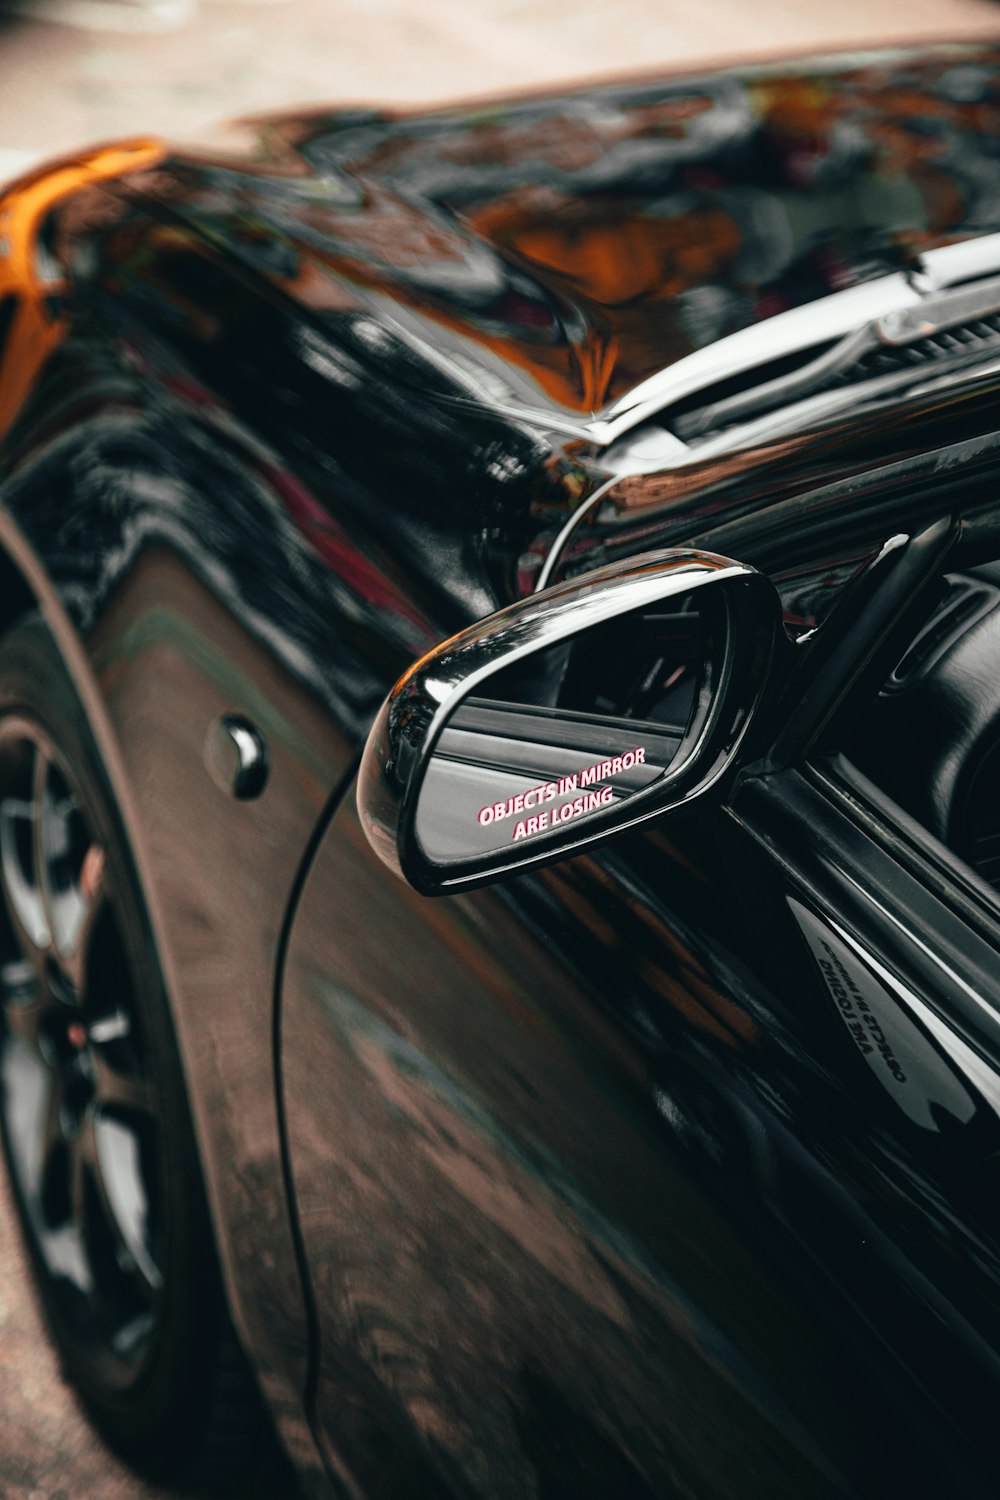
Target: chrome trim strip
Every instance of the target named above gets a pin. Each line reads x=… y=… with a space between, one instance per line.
x=573 y=520
x=954 y=263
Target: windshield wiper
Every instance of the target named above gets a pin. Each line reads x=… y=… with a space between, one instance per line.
x=934 y=314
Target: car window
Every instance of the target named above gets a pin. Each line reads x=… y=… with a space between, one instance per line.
x=929 y=738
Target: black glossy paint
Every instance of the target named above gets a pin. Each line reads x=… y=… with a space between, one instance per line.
x=591 y=1192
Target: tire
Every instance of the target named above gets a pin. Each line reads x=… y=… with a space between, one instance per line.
x=96 y=1126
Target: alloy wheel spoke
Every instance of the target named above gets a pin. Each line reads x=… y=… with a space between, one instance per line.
x=75 y=962
x=71 y=872
x=22 y=1002
x=20 y=854
x=119 y=1090
x=112 y=1156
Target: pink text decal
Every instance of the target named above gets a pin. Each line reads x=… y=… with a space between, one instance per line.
x=536 y=797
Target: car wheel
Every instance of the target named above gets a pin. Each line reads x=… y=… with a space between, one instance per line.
x=95 y=1120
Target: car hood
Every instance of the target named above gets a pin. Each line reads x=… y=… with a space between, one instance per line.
x=554 y=253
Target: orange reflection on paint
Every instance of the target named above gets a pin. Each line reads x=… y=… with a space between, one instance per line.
x=32 y=281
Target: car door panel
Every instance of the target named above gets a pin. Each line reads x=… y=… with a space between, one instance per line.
x=918 y=1154
x=576 y=1181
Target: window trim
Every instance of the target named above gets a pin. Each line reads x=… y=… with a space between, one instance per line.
x=945 y=874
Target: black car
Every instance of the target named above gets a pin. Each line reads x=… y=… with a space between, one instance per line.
x=575 y=1074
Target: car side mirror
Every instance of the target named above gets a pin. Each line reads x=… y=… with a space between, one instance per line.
x=567 y=717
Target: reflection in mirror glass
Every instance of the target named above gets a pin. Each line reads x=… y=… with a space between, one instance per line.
x=561 y=734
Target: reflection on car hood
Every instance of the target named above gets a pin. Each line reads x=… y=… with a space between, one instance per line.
x=554 y=253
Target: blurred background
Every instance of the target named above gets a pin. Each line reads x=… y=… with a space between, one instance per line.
x=77 y=71
x=85 y=70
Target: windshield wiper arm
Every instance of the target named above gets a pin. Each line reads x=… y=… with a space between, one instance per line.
x=934 y=314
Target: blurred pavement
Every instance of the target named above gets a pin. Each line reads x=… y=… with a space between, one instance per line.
x=47 y=1451
x=76 y=71
x=173 y=66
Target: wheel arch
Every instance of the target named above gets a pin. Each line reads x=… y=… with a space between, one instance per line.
x=273 y=1322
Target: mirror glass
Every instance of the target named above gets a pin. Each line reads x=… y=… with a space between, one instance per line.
x=562 y=733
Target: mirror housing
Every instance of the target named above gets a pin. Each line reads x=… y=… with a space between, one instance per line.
x=566 y=717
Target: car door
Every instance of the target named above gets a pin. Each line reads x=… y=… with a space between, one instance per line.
x=598 y=1191
x=901 y=990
